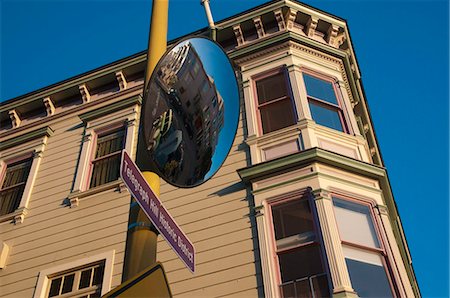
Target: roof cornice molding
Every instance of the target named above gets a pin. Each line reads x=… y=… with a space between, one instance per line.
x=46 y=131
x=111 y=108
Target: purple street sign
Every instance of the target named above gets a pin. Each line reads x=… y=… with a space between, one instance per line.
x=161 y=219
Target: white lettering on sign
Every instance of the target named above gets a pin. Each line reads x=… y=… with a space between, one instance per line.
x=137 y=186
x=154 y=209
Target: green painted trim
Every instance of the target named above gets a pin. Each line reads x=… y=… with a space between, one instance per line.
x=39 y=133
x=88 y=116
x=273 y=186
x=306 y=157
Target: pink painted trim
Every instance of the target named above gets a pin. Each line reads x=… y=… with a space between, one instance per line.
x=117 y=126
x=19 y=158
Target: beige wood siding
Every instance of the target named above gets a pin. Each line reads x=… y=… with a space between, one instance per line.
x=53 y=233
x=215 y=217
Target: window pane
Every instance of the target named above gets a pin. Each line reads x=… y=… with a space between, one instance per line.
x=288 y=290
x=292 y=219
x=368 y=280
x=271 y=88
x=355 y=223
x=16 y=173
x=320 y=286
x=300 y=263
x=10 y=199
x=55 y=286
x=68 y=283
x=85 y=279
x=109 y=143
x=106 y=170
x=277 y=115
x=98 y=275
x=320 y=89
x=324 y=116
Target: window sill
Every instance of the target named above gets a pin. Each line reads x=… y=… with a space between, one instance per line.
x=75 y=197
x=15 y=217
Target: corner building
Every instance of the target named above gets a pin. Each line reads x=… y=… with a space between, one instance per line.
x=302 y=206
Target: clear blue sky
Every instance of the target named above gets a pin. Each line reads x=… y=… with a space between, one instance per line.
x=402 y=49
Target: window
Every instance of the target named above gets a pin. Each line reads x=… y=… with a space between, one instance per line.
x=274 y=102
x=13 y=185
x=298 y=250
x=87 y=277
x=85 y=282
x=362 y=249
x=323 y=103
x=105 y=166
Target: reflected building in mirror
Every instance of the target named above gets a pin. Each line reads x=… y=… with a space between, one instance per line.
x=188 y=128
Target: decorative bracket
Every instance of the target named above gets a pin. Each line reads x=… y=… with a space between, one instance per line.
x=292 y=15
x=122 y=80
x=15 y=119
x=84 y=91
x=239 y=36
x=280 y=19
x=49 y=106
x=311 y=26
x=259 y=27
x=332 y=33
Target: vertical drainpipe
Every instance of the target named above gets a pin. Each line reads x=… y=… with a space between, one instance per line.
x=212 y=27
x=142 y=237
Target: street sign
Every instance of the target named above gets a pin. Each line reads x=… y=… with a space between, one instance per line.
x=150 y=283
x=156 y=212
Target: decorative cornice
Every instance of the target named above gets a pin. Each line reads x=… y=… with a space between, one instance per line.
x=32 y=135
x=105 y=110
x=306 y=157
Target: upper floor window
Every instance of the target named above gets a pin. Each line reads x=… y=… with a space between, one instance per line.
x=13 y=184
x=85 y=282
x=362 y=249
x=324 y=103
x=275 y=104
x=299 y=251
x=105 y=166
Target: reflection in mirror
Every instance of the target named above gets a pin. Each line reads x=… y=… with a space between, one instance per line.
x=190 y=113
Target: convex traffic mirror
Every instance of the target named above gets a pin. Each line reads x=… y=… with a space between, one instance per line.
x=190 y=112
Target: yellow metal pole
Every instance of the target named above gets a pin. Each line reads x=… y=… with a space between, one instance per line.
x=157 y=41
x=142 y=236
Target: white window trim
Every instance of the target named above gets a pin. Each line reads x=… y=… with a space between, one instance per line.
x=96 y=122
x=43 y=280
x=32 y=145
